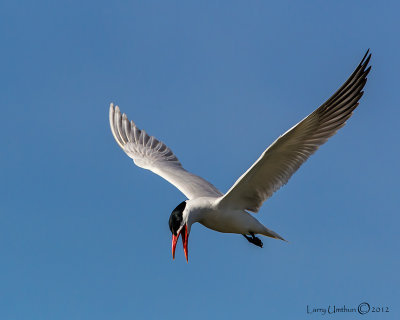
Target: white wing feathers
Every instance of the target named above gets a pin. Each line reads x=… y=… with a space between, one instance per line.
x=278 y=163
x=149 y=153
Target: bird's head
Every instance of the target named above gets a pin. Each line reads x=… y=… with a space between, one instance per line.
x=179 y=225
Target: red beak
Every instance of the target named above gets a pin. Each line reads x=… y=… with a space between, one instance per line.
x=175 y=238
x=174 y=241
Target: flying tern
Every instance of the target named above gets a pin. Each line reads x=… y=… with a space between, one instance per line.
x=228 y=212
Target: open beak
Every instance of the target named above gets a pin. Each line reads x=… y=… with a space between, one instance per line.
x=175 y=238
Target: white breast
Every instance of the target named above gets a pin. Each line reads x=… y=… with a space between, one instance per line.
x=207 y=212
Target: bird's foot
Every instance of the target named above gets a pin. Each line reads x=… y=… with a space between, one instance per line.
x=254 y=240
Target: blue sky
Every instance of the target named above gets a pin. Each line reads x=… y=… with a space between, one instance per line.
x=84 y=233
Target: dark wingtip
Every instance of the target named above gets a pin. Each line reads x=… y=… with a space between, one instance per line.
x=367 y=71
x=366 y=58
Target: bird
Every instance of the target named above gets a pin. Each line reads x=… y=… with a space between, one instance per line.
x=230 y=212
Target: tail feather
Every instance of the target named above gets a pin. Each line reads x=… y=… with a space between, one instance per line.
x=272 y=234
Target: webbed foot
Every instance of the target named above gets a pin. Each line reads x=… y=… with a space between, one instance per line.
x=254 y=240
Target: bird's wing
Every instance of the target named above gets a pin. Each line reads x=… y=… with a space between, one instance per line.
x=149 y=153
x=283 y=157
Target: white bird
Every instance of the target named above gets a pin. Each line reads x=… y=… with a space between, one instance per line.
x=227 y=212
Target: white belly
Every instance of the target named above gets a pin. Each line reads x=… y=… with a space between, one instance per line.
x=206 y=211
x=231 y=222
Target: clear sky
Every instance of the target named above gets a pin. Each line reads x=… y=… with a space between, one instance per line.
x=84 y=233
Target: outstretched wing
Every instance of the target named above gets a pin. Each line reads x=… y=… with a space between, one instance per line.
x=149 y=153
x=278 y=163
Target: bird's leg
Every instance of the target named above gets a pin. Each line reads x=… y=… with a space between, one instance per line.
x=254 y=240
